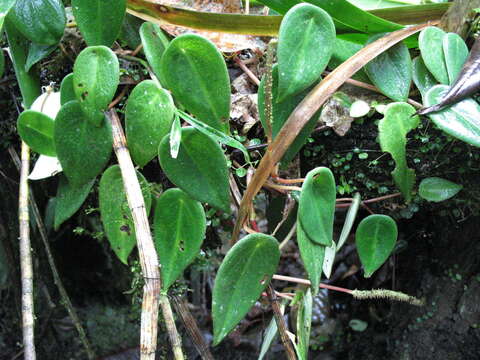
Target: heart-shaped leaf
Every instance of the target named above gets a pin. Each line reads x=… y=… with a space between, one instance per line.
x=316 y=208
x=67 y=92
x=244 y=273
x=96 y=74
x=280 y=113
x=180 y=226
x=37 y=52
x=305 y=45
x=312 y=256
x=456 y=53
x=82 y=148
x=154 y=43
x=422 y=78
x=149 y=116
x=391 y=71
x=99 y=21
x=200 y=168
x=461 y=120
x=69 y=200
x=5 y=7
x=375 y=238
x=430 y=42
x=116 y=215
x=194 y=70
x=36 y=130
x=393 y=129
x=437 y=189
x=41 y=21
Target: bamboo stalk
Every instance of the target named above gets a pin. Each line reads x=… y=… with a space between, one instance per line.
x=152 y=297
x=28 y=319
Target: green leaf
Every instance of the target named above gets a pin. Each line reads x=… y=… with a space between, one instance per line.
x=36 y=130
x=37 y=52
x=99 y=21
x=430 y=42
x=345 y=47
x=461 y=120
x=312 y=255
x=115 y=213
x=130 y=31
x=96 y=75
x=180 y=227
x=393 y=129
x=437 y=189
x=200 y=168
x=41 y=21
x=5 y=7
x=317 y=205
x=244 y=273
x=422 y=78
x=82 y=148
x=375 y=238
x=391 y=71
x=154 y=43
x=305 y=45
x=270 y=333
x=280 y=113
x=194 y=70
x=149 y=116
x=67 y=92
x=304 y=324
x=69 y=199
x=456 y=53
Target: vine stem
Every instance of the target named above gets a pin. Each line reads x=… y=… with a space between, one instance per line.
x=152 y=295
x=28 y=318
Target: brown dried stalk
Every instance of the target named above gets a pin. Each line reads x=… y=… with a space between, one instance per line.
x=152 y=296
x=307 y=108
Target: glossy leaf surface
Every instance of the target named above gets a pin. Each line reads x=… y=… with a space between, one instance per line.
x=393 y=129
x=422 y=78
x=41 y=21
x=96 y=75
x=115 y=213
x=69 y=199
x=312 y=256
x=391 y=71
x=36 y=130
x=244 y=273
x=99 y=21
x=437 y=189
x=37 y=53
x=305 y=45
x=430 y=42
x=67 y=92
x=375 y=238
x=200 y=168
x=82 y=148
x=149 y=116
x=179 y=228
x=317 y=205
x=456 y=53
x=461 y=120
x=5 y=7
x=154 y=43
x=194 y=70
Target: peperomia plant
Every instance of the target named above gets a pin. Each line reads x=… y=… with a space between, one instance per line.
x=189 y=81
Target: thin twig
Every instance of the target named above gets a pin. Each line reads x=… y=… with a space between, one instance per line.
x=246 y=70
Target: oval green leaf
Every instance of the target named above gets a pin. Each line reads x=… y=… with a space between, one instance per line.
x=67 y=93
x=36 y=130
x=200 y=168
x=391 y=71
x=244 y=273
x=115 y=213
x=437 y=189
x=393 y=129
x=456 y=53
x=96 y=74
x=422 y=78
x=41 y=21
x=375 y=238
x=82 y=148
x=194 y=70
x=154 y=43
x=430 y=42
x=312 y=255
x=461 y=120
x=149 y=116
x=179 y=227
x=305 y=45
x=69 y=199
x=99 y=21
x=316 y=208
